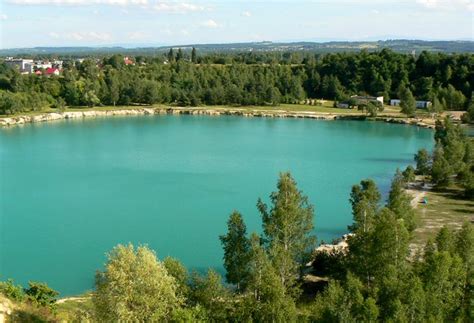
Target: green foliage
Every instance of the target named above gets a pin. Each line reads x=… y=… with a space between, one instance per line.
x=236 y=249
x=409 y=174
x=135 y=286
x=364 y=200
x=244 y=79
x=407 y=102
x=399 y=202
x=441 y=171
x=209 y=292
x=268 y=297
x=176 y=269
x=344 y=303
x=422 y=159
x=468 y=117
x=12 y=291
x=41 y=294
x=287 y=227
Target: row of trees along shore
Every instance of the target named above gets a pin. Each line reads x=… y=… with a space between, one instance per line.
x=245 y=79
x=375 y=279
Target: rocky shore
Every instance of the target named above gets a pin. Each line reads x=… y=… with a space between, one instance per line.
x=50 y=116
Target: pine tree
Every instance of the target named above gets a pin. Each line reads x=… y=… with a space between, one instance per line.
x=171 y=57
x=194 y=55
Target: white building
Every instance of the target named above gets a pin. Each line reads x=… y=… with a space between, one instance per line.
x=419 y=104
x=23 y=65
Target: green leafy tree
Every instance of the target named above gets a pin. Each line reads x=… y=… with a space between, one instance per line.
x=441 y=169
x=176 y=269
x=134 y=286
x=269 y=300
x=422 y=159
x=409 y=174
x=399 y=202
x=41 y=294
x=407 y=102
x=288 y=227
x=209 y=292
x=365 y=200
x=236 y=250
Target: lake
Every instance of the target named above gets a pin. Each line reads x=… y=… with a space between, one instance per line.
x=71 y=190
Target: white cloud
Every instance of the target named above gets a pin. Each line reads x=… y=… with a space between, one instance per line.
x=82 y=36
x=447 y=4
x=177 y=7
x=375 y=11
x=210 y=24
x=3 y=16
x=137 y=35
x=246 y=14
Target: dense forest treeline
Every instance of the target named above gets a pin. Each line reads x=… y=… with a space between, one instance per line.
x=189 y=79
x=377 y=278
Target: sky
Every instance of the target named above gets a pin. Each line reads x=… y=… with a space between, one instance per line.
x=30 y=23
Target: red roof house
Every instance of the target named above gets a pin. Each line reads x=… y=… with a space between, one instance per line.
x=52 y=71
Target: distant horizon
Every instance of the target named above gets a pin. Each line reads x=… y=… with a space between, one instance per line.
x=151 y=45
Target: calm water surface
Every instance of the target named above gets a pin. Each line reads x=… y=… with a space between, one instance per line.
x=71 y=190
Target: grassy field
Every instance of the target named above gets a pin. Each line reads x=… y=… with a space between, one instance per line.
x=447 y=207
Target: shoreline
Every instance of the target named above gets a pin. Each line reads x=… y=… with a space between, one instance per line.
x=51 y=116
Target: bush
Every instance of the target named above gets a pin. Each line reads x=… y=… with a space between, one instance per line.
x=41 y=294
x=12 y=291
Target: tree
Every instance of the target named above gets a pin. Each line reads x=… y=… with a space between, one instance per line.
x=236 y=249
x=269 y=300
x=208 y=291
x=287 y=226
x=176 y=269
x=437 y=107
x=364 y=200
x=441 y=169
x=134 y=286
x=409 y=174
x=170 y=55
x=179 y=55
x=194 y=55
x=399 y=202
x=41 y=294
x=344 y=303
x=422 y=159
x=407 y=102
x=468 y=117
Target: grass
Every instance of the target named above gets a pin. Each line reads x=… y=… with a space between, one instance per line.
x=447 y=207
x=75 y=310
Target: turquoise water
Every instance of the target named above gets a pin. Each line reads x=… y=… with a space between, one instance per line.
x=71 y=190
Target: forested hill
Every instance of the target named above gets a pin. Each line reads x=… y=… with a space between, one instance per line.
x=401 y=45
x=190 y=78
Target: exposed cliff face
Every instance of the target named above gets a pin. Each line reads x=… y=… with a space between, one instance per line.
x=18 y=120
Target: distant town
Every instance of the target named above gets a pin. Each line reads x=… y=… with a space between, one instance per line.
x=46 y=67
